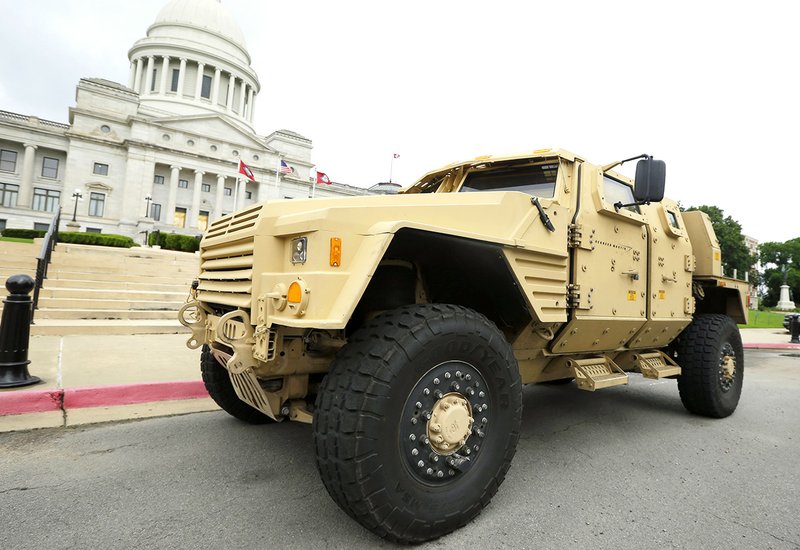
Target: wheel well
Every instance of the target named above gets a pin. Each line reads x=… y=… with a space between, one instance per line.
x=721 y=300
x=424 y=267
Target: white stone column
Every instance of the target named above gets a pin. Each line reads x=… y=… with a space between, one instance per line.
x=148 y=77
x=174 y=176
x=220 y=197
x=132 y=75
x=242 y=91
x=215 y=87
x=251 y=97
x=199 y=84
x=231 y=87
x=195 y=213
x=181 y=77
x=164 y=72
x=137 y=81
x=26 y=187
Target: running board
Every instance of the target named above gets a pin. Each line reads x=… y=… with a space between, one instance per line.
x=596 y=373
x=655 y=365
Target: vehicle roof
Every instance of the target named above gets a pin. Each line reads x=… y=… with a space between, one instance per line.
x=483 y=159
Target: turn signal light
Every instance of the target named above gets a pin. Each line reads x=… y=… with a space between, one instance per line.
x=336 y=251
x=295 y=294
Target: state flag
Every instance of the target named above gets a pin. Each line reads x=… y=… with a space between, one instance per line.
x=323 y=178
x=245 y=170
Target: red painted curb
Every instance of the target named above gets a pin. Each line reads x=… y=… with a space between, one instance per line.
x=772 y=346
x=32 y=401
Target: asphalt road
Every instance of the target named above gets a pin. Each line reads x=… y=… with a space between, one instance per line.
x=625 y=467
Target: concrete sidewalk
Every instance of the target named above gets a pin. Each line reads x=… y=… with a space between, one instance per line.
x=88 y=379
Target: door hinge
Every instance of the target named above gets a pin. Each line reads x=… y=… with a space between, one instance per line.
x=577 y=239
x=574 y=296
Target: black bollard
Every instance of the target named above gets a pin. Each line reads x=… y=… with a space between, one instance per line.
x=15 y=331
x=794 y=329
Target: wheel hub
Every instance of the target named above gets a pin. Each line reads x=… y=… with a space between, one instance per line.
x=444 y=422
x=450 y=424
x=727 y=367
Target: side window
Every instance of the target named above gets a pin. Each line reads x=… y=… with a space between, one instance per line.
x=616 y=192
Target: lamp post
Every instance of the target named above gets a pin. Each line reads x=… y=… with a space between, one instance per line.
x=147 y=199
x=76 y=195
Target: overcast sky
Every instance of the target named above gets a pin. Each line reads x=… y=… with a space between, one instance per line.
x=709 y=87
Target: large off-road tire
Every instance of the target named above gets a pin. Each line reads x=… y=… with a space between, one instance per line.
x=220 y=388
x=394 y=443
x=712 y=366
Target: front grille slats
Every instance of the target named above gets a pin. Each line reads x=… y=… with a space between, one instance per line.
x=226 y=272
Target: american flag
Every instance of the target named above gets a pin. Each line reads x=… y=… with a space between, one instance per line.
x=285 y=168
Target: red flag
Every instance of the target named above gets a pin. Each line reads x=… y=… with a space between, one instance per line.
x=323 y=178
x=395 y=155
x=244 y=169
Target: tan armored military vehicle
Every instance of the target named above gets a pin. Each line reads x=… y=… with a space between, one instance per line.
x=404 y=327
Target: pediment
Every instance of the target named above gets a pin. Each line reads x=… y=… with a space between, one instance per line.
x=99 y=186
x=213 y=127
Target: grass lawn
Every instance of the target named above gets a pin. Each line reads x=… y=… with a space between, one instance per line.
x=764 y=319
x=15 y=240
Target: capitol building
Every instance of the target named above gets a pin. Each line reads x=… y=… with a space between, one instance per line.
x=161 y=151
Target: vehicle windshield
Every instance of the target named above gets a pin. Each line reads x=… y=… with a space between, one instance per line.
x=538 y=180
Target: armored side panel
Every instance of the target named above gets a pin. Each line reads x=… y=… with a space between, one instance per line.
x=704 y=244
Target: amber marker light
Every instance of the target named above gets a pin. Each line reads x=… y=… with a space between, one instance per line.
x=295 y=294
x=336 y=251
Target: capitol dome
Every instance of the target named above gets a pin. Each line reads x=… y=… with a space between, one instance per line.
x=194 y=60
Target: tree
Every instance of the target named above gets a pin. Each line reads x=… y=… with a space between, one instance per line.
x=735 y=254
x=781 y=263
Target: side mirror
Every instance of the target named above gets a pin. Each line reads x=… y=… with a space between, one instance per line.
x=651 y=176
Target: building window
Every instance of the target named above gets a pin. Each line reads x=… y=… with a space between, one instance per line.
x=158 y=180
x=105 y=128
x=206 y=187
x=49 y=168
x=228 y=191
x=97 y=203
x=8 y=160
x=155 y=212
x=2 y=224
x=100 y=169
x=45 y=200
x=40 y=226
x=205 y=90
x=248 y=194
x=93 y=230
x=180 y=217
x=8 y=194
x=176 y=73
x=153 y=82
x=183 y=184
x=202 y=220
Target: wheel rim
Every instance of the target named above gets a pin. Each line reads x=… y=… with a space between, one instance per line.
x=444 y=422
x=727 y=367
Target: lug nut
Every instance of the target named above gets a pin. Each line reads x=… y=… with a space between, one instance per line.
x=412 y=437
x=418 y=405
x=481 y=394
x=437 y=394
x=458 y=374
x=426 y=391
x=415 y=452
x=429 y=471
x=440 y=474
x=421 y=464
x=436 y=381
x=413 y=419
x=447 y=375
x=467 y=377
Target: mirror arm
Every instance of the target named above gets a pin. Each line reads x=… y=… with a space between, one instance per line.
x=608 y=167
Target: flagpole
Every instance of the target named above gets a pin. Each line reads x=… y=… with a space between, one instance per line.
x=236 y=194
x=391 y=168
x=278 y=175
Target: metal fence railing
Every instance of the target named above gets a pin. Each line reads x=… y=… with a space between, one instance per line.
x=43 y=259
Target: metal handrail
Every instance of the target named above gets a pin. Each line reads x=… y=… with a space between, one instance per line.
x=43 y=259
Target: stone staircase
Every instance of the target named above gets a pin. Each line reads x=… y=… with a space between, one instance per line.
x=92 y=289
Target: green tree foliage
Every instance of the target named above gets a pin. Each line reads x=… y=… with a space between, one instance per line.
x=775 y=257
x=735 y=254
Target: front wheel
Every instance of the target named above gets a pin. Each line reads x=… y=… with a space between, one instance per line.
x=417 y=421
x=711 y=358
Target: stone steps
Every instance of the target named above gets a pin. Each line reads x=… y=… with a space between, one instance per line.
x=101 y=290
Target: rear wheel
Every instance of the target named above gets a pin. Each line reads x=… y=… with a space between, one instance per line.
x=712 y=366
x=220 y=388
x=417 y=421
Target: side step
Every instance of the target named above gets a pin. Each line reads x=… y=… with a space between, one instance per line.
x=655 y=365
x=596 y=373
